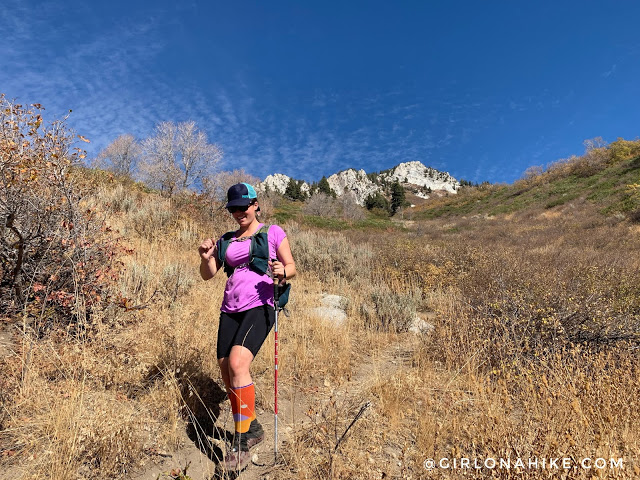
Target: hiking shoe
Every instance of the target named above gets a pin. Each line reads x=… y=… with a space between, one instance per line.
x=237 y=458
x=254 y=435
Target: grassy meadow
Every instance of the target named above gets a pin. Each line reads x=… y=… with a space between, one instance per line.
x=533 y=291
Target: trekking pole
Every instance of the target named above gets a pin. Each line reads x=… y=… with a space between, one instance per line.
x=276 y=298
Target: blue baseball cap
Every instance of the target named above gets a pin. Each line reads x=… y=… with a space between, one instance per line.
x=240 y=195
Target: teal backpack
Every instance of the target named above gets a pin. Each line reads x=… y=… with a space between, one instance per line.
x=258 y=259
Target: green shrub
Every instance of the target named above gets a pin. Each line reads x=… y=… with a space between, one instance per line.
x=623 y=150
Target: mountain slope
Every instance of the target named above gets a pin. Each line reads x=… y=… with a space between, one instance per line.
x=602 y=178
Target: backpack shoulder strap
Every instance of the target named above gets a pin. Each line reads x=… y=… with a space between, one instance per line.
x=259 y=250
x=258 y=240
x=223 y=244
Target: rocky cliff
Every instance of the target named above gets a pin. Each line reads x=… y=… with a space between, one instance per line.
x=278 y=182
x=355 y=181
x=412 y=175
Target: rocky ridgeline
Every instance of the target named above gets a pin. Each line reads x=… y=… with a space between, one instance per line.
x=355 y=181
x=415 y=173
x=409 y=174
x=278 y=183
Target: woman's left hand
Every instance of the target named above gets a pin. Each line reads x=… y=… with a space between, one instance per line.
x=277 y=268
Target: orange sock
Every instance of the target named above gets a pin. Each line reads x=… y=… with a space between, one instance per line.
x=243 y=404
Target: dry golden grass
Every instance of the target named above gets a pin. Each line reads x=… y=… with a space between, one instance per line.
x=534 y=353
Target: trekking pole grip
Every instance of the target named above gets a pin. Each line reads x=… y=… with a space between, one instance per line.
x=276 y=290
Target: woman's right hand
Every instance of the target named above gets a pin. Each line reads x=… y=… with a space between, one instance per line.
x=206 y=249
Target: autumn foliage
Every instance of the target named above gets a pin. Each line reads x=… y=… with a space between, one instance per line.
x=56 y=257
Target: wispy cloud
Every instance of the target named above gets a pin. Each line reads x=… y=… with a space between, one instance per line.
x=109 y=76
x=99 y=78
x=609 y=72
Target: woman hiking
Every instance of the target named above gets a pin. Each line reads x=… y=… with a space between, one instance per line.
x=247 y=312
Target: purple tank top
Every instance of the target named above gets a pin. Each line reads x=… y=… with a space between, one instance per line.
x=246 y=288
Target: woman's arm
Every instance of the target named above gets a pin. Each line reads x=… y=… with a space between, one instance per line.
x=285 y=263
x=209 y=263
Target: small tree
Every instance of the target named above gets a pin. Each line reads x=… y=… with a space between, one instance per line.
x=120 y=156
x=324 y=187
x=294 y=190
x=178 y=157
x=351 y=210
x=322 y=205
x=377 y=201
x=398 y=200
x=216 y=185
x=593 y=144
x=531 y=172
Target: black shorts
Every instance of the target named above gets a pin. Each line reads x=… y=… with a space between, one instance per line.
x=249 y=329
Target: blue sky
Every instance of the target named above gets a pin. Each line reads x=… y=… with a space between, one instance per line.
x=481 y=90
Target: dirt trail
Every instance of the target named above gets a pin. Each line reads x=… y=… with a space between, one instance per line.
x=293 y=406
x=200 y=459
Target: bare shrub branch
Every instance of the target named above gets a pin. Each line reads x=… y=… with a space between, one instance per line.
x=121 y=156
x=179 y=156
x=56 y=258
x=217 y=185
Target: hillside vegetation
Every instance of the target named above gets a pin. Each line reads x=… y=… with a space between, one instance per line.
x=533 y=351
x=600 y=178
